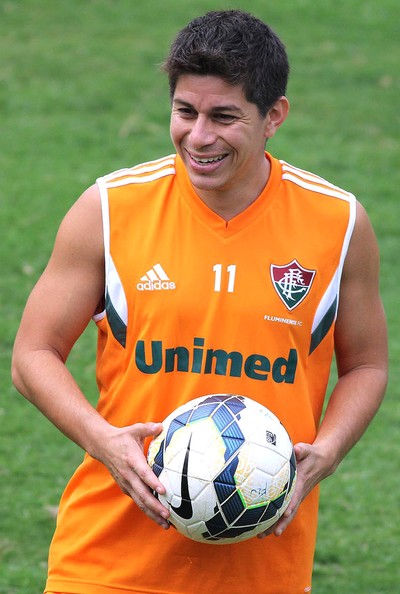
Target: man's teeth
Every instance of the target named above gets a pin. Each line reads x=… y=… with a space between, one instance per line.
x=209 y=160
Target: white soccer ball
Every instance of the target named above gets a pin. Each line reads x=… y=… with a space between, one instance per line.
x=228 y=467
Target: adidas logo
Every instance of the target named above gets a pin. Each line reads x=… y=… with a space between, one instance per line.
x=155 y=279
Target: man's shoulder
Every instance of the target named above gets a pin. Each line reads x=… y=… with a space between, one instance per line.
x=312 y=182
x=142 y=173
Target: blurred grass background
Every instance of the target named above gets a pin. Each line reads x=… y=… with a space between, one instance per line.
x=81 y=94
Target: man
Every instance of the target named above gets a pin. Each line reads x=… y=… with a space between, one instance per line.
x=224 y=249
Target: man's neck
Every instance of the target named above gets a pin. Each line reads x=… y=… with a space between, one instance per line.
x=229 y=202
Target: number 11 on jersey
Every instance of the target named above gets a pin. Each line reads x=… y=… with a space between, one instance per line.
x=231 y=271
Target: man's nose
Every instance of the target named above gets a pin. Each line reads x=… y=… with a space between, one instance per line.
x=202 y=132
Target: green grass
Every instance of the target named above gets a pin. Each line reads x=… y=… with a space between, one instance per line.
x=80 y=95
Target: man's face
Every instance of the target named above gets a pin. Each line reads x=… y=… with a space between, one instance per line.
x=219 y=135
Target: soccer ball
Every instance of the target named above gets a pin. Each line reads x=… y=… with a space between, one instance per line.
x=228 y=467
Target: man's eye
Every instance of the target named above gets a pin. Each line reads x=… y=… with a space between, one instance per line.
x=186 y=112
x=226 y=118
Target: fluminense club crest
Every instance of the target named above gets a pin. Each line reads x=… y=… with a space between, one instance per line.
x=292 y=282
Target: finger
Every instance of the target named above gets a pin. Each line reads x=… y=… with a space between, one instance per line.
x=150 y=505
x=151 y=480
x=283 y=522
x=280 y=526
x=266 y=533
x=146 y=475
x=144 y=499
x=143 y=485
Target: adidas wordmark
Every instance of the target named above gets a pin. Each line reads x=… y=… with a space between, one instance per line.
x=155 y=279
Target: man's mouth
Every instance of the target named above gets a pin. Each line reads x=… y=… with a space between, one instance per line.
x=207 y=160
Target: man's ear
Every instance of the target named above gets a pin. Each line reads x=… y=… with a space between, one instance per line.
x=276 y=116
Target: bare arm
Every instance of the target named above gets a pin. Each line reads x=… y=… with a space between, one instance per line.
x=361 y=349
x=361 y=355
x=58 y=310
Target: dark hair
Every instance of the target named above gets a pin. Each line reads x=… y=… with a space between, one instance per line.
x=236 y=46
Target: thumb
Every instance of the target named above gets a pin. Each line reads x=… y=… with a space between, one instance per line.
x=144 y=431
x=154 y=428
x=301 y=451
x=150 y=429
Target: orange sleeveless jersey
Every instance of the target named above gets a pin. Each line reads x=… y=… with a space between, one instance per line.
x=194 y=306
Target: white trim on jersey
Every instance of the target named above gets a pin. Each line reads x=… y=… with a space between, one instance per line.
x=116 y=293
x=141 y=168
x=135 y=175
x=106 y=238
x=126 y=181
x=331 y=293
x=314 y=183
x=318 y=184
x=145 y=172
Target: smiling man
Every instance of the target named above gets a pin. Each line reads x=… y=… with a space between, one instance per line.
x=217 y=269
x=221 y=137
